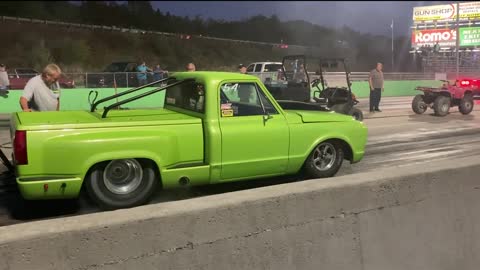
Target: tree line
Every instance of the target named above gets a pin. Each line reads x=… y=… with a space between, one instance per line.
x=363 y=50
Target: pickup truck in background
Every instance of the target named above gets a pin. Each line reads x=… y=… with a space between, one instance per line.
x=215 y=127
x=266 y=71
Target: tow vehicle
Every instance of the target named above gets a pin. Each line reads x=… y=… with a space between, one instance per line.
x=214 y=127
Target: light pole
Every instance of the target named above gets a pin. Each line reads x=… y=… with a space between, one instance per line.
x=458 y=39
x=393 y=63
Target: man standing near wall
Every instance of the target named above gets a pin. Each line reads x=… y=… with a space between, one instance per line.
x=376 y=87
x=39 y=90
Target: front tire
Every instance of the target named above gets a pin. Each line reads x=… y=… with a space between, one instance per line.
x=122 y=183
x=466 y=104
x=441 y=105
x=419 y=106
x=325 y=160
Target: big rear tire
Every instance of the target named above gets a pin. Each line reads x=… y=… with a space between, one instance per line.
x=325 y=160
x=121 y=183
x=419 y=106
x=466 y=104
x=441 y=105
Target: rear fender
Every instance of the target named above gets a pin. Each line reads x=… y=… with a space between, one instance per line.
x=102 y=157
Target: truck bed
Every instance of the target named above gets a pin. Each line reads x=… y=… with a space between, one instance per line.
x=85 y=119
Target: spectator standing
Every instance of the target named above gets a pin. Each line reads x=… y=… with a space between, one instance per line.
x=242 y=69
x=4 y=81
x=158 y=73
x=39 y=90
x=142 y=73
x=190 y=67
x=436 y=48
x=376 y=87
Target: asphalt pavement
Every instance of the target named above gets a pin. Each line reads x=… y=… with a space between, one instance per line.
x=397 y=137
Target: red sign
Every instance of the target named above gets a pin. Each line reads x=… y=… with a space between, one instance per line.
x=444 y=37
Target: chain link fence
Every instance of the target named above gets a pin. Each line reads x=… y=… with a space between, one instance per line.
x=131 y=79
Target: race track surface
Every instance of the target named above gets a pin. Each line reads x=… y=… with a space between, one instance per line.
x=397 y=137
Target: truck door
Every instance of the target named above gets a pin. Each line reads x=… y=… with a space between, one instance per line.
x=253 y=143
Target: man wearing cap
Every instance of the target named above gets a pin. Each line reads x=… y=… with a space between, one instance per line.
x=242 y=69
x=4 y=81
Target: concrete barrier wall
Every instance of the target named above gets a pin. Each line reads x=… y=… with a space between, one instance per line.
x=413 y=217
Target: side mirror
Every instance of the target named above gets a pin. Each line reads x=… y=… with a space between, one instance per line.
x=266 y=117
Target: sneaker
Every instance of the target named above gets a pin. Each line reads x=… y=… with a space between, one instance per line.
x=378 y=110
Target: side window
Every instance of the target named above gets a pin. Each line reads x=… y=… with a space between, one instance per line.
x=243 y=99
x=250 y=68
x=258 y=68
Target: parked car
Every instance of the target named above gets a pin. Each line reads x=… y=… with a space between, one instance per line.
x=124 y=74
x=215 y=127
x=19 y=77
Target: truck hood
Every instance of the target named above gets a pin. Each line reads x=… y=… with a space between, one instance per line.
x=318 y=116
x=85 y=119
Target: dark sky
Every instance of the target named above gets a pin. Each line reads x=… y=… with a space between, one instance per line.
x=363 y=16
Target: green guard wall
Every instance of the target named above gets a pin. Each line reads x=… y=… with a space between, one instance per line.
x=77 y=98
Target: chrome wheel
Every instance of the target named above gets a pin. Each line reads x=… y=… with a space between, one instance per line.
x=123 y=176
x=324 y=156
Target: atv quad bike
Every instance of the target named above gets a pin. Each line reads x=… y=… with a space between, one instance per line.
x=295 y=92
x=442 y=98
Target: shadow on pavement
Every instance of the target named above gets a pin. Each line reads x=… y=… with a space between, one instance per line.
x=431 y=118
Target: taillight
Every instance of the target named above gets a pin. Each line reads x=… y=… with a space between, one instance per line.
x=465 y=82
x=20 y=147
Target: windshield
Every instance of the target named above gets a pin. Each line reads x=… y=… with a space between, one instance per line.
x=334 y=74
x=116 y=67
x=189 y=96
x=295 y=70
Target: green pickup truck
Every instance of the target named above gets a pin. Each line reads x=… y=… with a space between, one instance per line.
x=214 y=127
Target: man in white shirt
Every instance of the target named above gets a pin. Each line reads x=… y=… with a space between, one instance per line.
x=39 y=90
x=4 y=81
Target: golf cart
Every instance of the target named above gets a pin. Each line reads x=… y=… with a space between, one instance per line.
x=338 y=97
x=294 y=91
